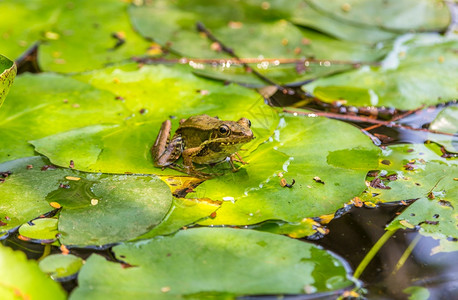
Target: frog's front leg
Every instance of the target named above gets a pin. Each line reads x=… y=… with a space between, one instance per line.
x=164 y=150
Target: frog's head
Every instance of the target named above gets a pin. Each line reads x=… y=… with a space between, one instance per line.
x=232 y=135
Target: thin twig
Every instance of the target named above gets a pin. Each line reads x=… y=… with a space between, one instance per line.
x=364 y=120
x=401 y=116
x=201 y=28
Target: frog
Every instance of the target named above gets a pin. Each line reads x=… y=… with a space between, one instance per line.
x=203 y=140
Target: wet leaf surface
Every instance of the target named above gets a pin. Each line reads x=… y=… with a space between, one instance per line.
x=300 y=150
x=406 y=79
x=163 y=93
x=24 y=279
x=423 y=175
x=43 y=230
x=96 y=209
x=216 y=260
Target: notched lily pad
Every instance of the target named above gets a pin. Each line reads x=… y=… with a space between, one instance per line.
x=97 y=209
x=190 y=262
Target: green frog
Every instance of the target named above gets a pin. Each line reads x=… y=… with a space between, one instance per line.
x=200 y=139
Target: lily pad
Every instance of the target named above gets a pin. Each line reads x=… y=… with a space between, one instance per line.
x=235 y=26
x=402 y=82
x=312 y=17
x=57 y=104
x=327 y=159
x=25 y=280
x=61 y=267
x=183 y=212
x=397 y=15
x=7 y=74
x=153 y=94
x=446 y=121
x=42 y=230
x=96 y=209
x=253 y=263
x=415 y=172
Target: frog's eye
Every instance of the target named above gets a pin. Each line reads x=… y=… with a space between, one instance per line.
x=224 y=130
x=249 y=123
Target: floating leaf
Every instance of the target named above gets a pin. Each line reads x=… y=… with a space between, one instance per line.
x=61 y=267
x=7 y=74
x=421 y=174
x=235 y=27
x=43 y=230
x=446 y=121
x=23 y=279
x=401 y=82
x=312 y=17
x=160 y=93
x=301 y=149
x=76 y=36
x=57 y=104
x=193 y=261
x=182 y=213
x=97 y=209
x=397 y=15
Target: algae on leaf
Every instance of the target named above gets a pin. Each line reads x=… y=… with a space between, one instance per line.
x=211 y=261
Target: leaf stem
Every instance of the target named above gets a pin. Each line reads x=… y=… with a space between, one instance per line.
x=406 y=254
x=374 y=250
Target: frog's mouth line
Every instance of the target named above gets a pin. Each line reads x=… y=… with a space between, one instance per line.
x=237 y=141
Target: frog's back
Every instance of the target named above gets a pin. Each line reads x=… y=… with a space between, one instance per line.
x=197 y=129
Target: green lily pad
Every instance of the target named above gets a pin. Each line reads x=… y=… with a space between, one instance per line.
x=397 y=15
x=153 y=94
x=43 y=230
x=286 y=73
x=61 y=267
x=416 y=172
x=253 y=263
x=74 y=36
x=312 y=17
x=235 y=26
x=25 y=280
x=56 y=104
x=303 y=149
x=97 y=209
x=24 y=23
x=446 y=121
x=183 y=212
x=404 y=83
x=417 y=293
x=7 y=74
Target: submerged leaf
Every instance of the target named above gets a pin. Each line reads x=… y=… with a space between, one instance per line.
x=211 y=260
x=61 y=267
